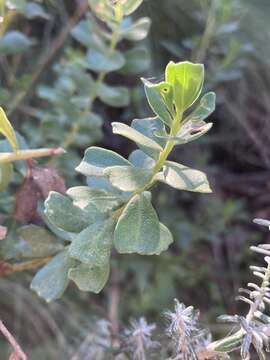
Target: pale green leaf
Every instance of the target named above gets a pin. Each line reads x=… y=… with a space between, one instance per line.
x=96 y=159
x=33 y=10
x=139 y=159
x=100 y=61
x=182 y=177
x=129 y=6
x=136 y=136
x=14 y=42
x=115 y=96
x=165 y=239
x=36 y=241
x=93 y=245
x=136 y=31
x=204 y=109
x=6 y=172
x=187 y=80
x=62 y=213
x=90 y=278
x=156 y=102
x=128 y=178
x=137 y=229
x=6 y=129
x=52 y=280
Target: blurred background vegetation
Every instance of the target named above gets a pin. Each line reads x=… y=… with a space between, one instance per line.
x=42 y=71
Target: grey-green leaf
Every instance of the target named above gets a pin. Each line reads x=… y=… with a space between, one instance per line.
x=90 y=278
x=136 y=31
x=137 y=60
x=137 y=229
x=182 y=177
x=136 y=136
x=62 y=213
x=100 y=61
x=139 y=159
x=204 y=109
x=128 y=178
x=129 y=6
x=35 y=241
x=51 y=281
x=165 y=239
x=14 y=42
x=115 y=96
x=93 y=245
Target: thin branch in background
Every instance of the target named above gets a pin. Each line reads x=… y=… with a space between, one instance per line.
x=17 y=353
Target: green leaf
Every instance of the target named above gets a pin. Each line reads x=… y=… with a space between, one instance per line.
x=137 y=60
x=136 y=136
x=182 y=177
x=204 y=109
x=96 y=159
x=93 y=245
x=165 y=239
x=129 y=6
x=152 y=128
x=100 y=61
x=62 y=213
x=84 y=196
x=84 y=32
x=90 y=278
x=103 y=9
x=6 y=129
x=136 y=31
x=137 y=229
x=36 y=241
x=116 y=96
x=52 y=280
x=6 y=172
x=33 y=10
x=14 y=42
x=102 y=183
x=156 y=102
x=187 y=80
x=139 y=159
x=128 y=178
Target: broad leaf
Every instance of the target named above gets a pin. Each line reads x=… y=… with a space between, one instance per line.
x=61 y=212
x=128 y=178
x=96 y=159
x=137 y=60
x=90 y=278
x=14 y=42
x=184 y=178
x=204 y=109
x=136 y=136
x=36 y=241
x=93 y=245
x=187 y=80
x=52 y=280
x=137 y=230
x=100 y=61
x=83 y=196
x=129 y=6
x=139 y=159
x=115 y=96
x=136 y=31
x=157 y=102
x=7 y=130
x=165 y=239
x=6 y=172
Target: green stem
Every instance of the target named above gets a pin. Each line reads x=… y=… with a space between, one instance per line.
x=76 y=126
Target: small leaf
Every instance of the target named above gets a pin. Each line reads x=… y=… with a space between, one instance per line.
x=52 y=280
x=61 y=212
x=84 y=196
x=100 y=61
x=7 y=130
x=103 y=9
x=36 y=241
x=96 y=159
x=85 y=33
x=93 y=245
x=129 y=6
x=204 y=109
x=136 y=31
x=137 y=230
x=90 y=278
x=139 y=159
x=128 y=178
x=116 y=96
x=152 y=128
x=14 y=42
x=157 y=102
x=136 y=136
x=137 y=60
x=34 y=10
x=6 y=172
x=187 y=80
x=182 y=177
